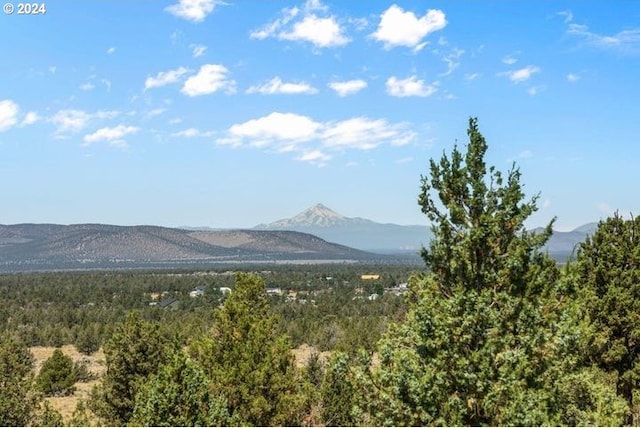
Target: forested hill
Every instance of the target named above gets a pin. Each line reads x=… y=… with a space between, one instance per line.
x=48 y=246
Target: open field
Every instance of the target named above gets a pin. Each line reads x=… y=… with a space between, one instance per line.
x=96 y=365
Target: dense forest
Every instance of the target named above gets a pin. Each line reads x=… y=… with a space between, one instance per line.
x=491 y=332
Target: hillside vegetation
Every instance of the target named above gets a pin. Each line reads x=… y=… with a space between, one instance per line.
x=492 y=332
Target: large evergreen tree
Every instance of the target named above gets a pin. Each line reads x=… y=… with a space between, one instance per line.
x=179 y=395
x=487 y=340
x=134 y=352
x=608 y=272
x=18 y=400
x=248 y=363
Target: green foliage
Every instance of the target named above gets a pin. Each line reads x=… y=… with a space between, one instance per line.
x=479 y=239
x=18 y=399
x=248 y=362
x=57 y=375
x=179 y=395
x=608 y=270
x=338 y=392
x=134 y=352
x=487 y=339
x=48 y=416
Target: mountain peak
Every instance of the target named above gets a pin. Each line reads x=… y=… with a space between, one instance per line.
x=317 y=215
x=320 y=210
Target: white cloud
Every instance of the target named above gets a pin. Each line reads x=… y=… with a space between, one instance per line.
x=322 y=32
x=410 y=87
x=87 y=86
x=8 y=114
x=315 y=141
x=509 y=60
x=111 y=50
x=525 y=154
x=30 y=118
x=165 y=77
x=364 y=134
x=315 y=157
x=535 y=90
x=625 y=40
x=348 y=87
x=198 y=50
x=193 y=10
x=304 y=25
x=52 y=69
x=452 y=61
x=400 y=28
x=106 y=83
x=114 y=136
x=522 y=74
x=71 y=121
x=568 y=16
x=209 y=79
x=192 y=133
x=272 y=129
x=470 y=77
x=155 y=112
x=277 y=86
x=572 y=77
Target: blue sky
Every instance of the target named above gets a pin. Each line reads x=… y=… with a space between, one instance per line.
x=230 y=114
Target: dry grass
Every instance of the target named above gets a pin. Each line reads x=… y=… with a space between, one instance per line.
x=96 y=365
x=303 y=352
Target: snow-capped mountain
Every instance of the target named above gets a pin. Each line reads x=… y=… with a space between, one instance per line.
x=355 y=232
x=317 y=215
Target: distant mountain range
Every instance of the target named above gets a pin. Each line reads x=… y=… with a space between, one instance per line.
x=83 y=246
x=392 y=238
x=354 y=232
x=316 y=234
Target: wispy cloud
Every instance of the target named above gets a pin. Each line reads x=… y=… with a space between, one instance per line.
x=111 y=50
x=452 y=59
x=70 y=121
x=470 y=77
x=192 y=133
x=198 y=50
x=410 y=87
x=209 y=79
x=627 y=41
x=114 y=136
x=165 y=77
x=522 y=74
x=315 y=141
x=624 y=41
x=573 y=77
x=30 y=118
x=8 y=114
x=277 y=86
x=400 y=28
x=311 y=24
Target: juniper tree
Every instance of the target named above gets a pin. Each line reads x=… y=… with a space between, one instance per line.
x=487 y=340
x=134 y=352
x=57 y=375
x=18 y=399
x=248 y=362
x=608 y=273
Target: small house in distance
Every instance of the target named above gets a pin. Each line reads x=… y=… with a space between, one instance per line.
x=169 y=303
x=370 y=277
x=197 y=292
